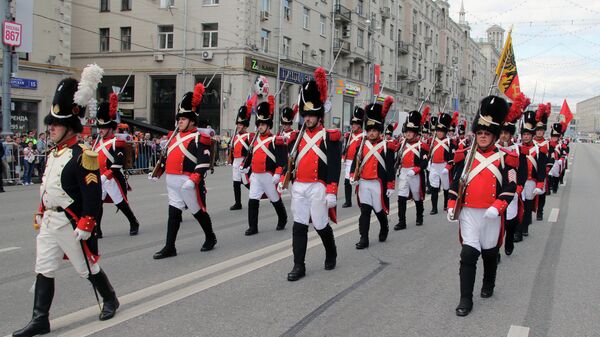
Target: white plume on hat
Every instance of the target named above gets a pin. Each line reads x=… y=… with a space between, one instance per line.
x=91 y=76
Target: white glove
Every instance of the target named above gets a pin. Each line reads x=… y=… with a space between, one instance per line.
x=276 y=178
x=445 y=171
x=390 y=193
x=188 y=185
x=353 y=182
x=450 y=215
x=280 y=188
x=244 y=170
x=151 y=178
x=491 y=213
x=411 y=173
x=331 y=200
x=538 y=191
x=103 y=179
x=81 y=234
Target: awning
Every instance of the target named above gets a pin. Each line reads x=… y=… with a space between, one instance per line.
x=145 y=126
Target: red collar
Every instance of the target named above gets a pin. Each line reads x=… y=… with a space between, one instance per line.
x=314 y=131
x=185 y=133
x=67 y=143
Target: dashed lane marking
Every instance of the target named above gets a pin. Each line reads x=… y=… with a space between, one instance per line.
x=8 y=249
x=554 y=215
x=518 y=331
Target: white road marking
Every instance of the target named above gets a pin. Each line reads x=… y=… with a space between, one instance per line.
x=276 y=252
x=554 y=215
x=8 y=249
x=518 y=331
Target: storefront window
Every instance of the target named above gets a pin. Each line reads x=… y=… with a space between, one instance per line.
x=23 y=117
x=117 y=82
x=164 y=101
x=210 y=108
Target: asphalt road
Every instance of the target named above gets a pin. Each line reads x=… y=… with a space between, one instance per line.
x=407 y=286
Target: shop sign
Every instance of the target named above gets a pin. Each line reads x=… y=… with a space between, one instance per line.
x=23 y=83
x=292 y=76
x=260 y=67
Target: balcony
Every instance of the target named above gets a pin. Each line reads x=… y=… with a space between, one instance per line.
x=342 y=14
x=386 y=12
x=428 y=41
x=439 y=68
x=341 y=46
x=402 y=73
x=402 y=48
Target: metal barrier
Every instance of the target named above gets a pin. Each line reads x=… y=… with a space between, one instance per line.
x=14 y=165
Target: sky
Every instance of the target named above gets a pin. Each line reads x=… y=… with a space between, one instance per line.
x=556 y=43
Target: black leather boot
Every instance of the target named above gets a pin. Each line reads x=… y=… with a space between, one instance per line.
x=299 y=242
x=509 y=238
x=384 y=228
x=281 y=214
x=237 y=195
x=420 y=209
x=134 y=225
x=490 y=265
x=109 y=298
x=40 y=323
x=445 y=200
x=540 y=208
x=468 y=267
x=173 y=224
x=328 y=239
x=434 y=200
x=205 y=222
x=364 y=222
x=347 y=193
x=98 y=227
x=527 y=210
x=253 y=205
x=401 y=214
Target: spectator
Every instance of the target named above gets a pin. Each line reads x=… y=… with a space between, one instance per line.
x=7 y=159
x=31 y=138
x=29 y=156
x=41 y=147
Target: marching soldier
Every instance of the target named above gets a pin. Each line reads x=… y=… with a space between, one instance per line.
x=71 y=198
x=314 y=191
x=463 y=141
x=287 y=120
x=542 y=115
x=532 y=161
x=413 y=161
x=376 y=183
x=352 y=141
x=389 y=132
x=111 y=155
x=483 y=207
x=453 y=125
x=188 y=159
x=556 y=157
x=441 y=160
x=238 y=151
x=267 y=159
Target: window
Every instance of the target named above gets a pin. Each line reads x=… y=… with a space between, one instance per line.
x=322 y=57
x=359 y=7
x=125 y=5
x=125 y=38
x=104 y=6
x=361 y=73
x=104 y=39
x=306 y=18
x=167 y=3
x=210 y=2
x=392 y=37
x=360 y=36
x=287 y=10
x=165 y=37
x=264 y=40
x=210 y=35
x=322 y=23
x=265 y=5
x=383 y=27
x=287 y=43
x=305 y=52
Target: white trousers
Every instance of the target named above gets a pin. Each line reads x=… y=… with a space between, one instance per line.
x=437 y=176
x=556 y=168
x=513 y=208
x=262 y=183
x=308 y=203
x=369 y=192
x=347 y=165
x=179 y=196
x=408 y=185
x=57 y=238
x=235 y=168
x=477 y=231
x=528 y=190
x=111 y=188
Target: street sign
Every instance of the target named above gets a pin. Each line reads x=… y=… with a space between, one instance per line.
x=11 y=33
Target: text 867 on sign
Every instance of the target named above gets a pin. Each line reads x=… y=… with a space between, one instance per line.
x=11 y=33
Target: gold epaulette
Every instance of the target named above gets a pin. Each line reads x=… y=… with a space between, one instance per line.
x=89 y=159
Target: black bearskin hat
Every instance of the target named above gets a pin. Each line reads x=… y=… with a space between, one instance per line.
x=413 y=121
x=313 y=95
x=491 y=114
x=64 y=109
x=287 y=115
x=375 y=114
x=433 y=121
x=444 y=121
x=358 y=116
x=264 y=114
x=190 y=103
x=557 y=130
x=529 y=121
x=243 y=116
x=106 y=117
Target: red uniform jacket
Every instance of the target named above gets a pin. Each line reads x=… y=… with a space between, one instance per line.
x=532 y=163
x=111 y=153
x=241 y=141
x=273 y=159
x=352 y=142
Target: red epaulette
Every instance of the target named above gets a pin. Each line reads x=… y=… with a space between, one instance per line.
x=393 y=145
x=543 y=149
x=279 y=140
x=205 y=139
x=460 y=155
x=511 y=158
x=334 y=134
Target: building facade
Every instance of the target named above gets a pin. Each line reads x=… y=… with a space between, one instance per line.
x=588 y=118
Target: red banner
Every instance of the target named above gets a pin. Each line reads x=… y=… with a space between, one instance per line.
x=565 y=113
x=377 y=84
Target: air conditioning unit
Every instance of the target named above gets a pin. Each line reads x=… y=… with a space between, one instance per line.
x=207 y=55
x=264 y=15
x=159 y=57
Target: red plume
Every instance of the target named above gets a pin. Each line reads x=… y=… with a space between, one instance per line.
x=321 y=79
x=113 y=105
x=455 y=119
x=295 y=109
x=395 y=126
x=197 y=97
x=248 y=108
x=516 y=109
x=387 y=104
x=271 y=99
x=425 y=115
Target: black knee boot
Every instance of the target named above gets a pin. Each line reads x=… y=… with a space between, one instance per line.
x=364 y=222
x=205 y=222
x=509 y=238
x=527 y=209
x=173 y=224
x=540 y=208
x=434 y=200
x=490 y=265
x=328 y=239
x=420 y=209
x=347 y=193
x=40 y=323
x=384 y=228
x=237 y=195
x=253 y=205
x=401 y=214
x=281 y=214
x=468 y=267
x=134 y=225
x=109 y=298
x=445 y=200
x=299 y=242
x=98 y=227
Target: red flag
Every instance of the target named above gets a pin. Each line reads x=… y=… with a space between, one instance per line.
x=565 y=113
x=377 y=84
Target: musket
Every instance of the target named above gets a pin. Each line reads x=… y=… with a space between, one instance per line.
x=291 y=164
